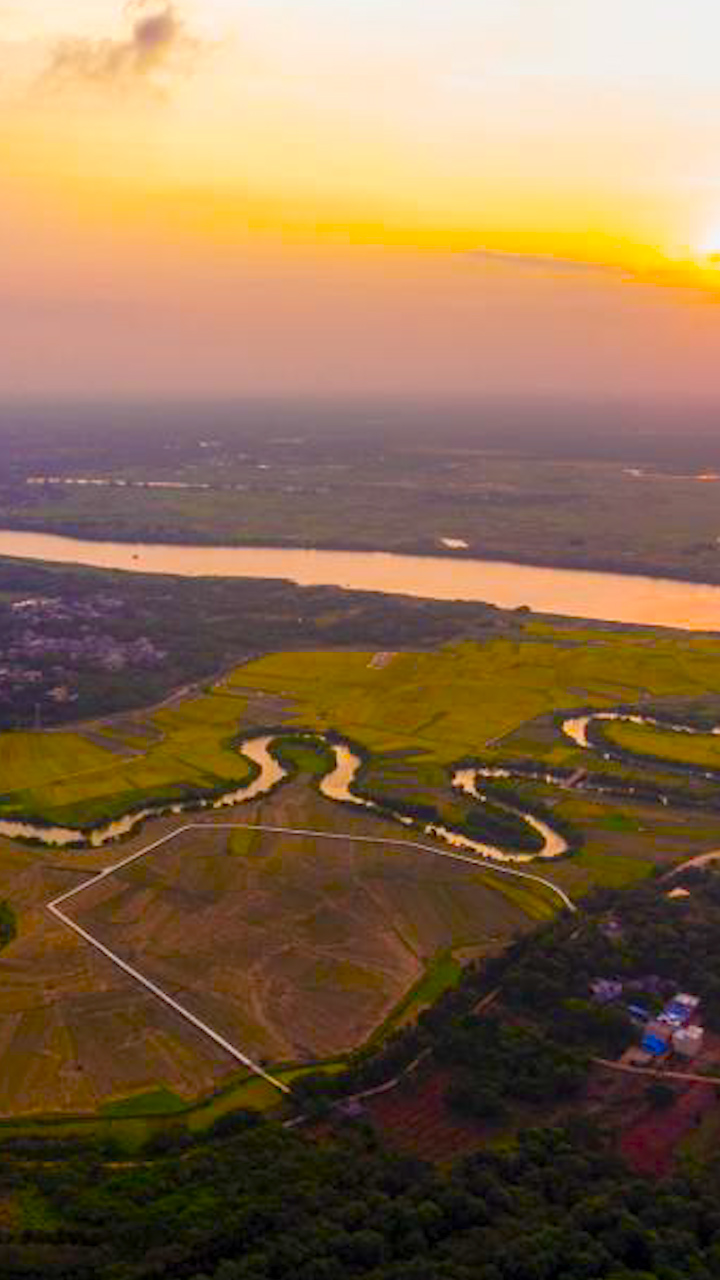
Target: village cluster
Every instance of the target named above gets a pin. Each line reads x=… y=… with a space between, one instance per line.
x=48 y=638
x=675 y=1029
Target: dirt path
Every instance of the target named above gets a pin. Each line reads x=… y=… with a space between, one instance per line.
x=655 y=1073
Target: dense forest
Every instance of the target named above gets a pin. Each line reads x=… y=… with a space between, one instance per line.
x=264 y=1204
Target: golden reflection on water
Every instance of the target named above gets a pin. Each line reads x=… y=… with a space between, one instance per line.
x=611 y=597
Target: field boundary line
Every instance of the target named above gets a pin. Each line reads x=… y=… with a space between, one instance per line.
x=484 y=864
x=54 y=908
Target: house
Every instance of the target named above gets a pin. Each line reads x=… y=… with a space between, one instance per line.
x=639 y=1013
x=688 y=1041
x=605 y=990
x=678 y=1011
x=656 y=1039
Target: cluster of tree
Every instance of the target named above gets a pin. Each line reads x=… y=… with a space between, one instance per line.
x=497 y=1064
x=489 y=823
x=498 y=825
x=264 y=1204
x=492 y=822
x=633 y=935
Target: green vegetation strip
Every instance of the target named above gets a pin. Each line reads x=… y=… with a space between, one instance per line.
x=441 y=974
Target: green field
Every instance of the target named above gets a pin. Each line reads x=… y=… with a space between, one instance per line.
x=310 y=758
x=132 y=1121
x=442 y=973
x=702 y=749
x=160 y=1102
x=415 y=716
x=65 y=779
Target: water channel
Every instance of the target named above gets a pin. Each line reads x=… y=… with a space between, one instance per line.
x=611 y=597
x=337 y=784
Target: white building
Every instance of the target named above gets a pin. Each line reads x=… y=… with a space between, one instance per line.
x=688 y=1041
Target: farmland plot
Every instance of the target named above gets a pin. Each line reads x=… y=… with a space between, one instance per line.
x=293 y=948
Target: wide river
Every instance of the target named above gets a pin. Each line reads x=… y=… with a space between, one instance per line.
x=612 y=597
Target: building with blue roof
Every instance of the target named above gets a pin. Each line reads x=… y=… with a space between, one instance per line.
x=657 y=1039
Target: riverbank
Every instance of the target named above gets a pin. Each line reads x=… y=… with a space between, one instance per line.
x=611 y=597
x=339 y=767
x=626 y=565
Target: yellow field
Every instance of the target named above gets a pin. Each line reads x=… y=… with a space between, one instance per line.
x=63 y=778
x=41 y=758
x=456 y=699
x=702 y=749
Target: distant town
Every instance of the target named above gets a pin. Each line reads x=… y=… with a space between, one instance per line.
x=49 y=639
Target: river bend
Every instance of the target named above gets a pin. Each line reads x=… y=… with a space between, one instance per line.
x=337 y=784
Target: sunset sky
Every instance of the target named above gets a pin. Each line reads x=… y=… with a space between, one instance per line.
x=322 y=196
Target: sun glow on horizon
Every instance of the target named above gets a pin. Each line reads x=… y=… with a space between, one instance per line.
x=378 y=149
x=708 y=251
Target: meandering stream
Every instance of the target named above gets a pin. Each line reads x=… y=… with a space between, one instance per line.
x=338 y=784
x=257 y=750
x=576 y=727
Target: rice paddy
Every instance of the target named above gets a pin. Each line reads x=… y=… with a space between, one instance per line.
x=474 y=698
x=468 y=697
x=299 y=949
x=702 y=750
x=81 y=784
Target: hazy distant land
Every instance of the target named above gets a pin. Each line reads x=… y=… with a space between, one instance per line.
x=578 y=487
